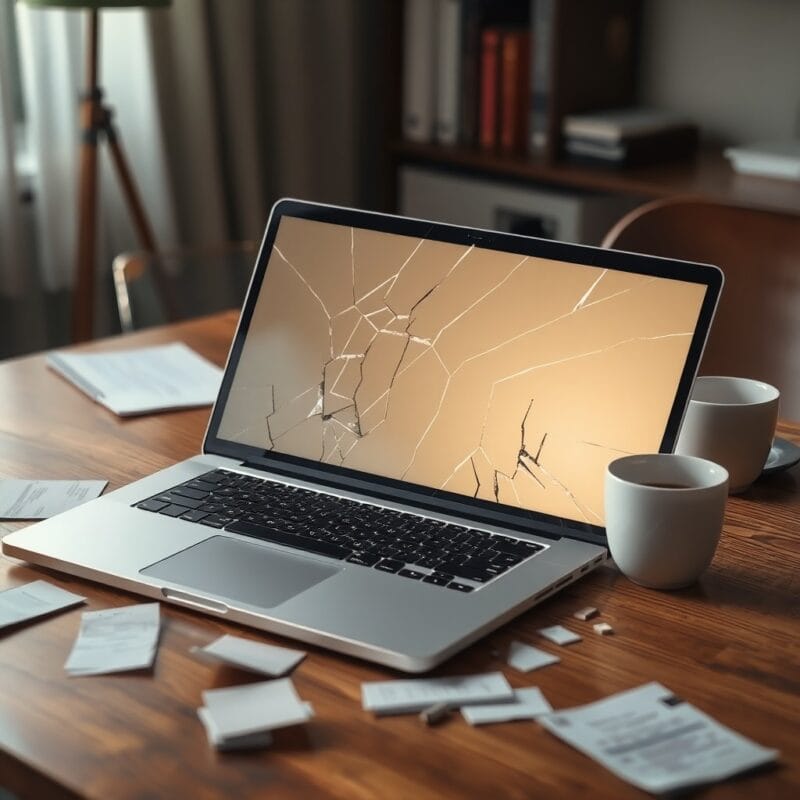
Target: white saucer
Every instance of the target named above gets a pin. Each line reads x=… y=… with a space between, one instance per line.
x=782 y=455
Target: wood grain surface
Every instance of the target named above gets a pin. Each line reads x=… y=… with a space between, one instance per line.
x=729 y=645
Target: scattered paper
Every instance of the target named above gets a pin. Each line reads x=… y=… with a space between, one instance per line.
x=558 y=634
x=526 y=704
x=656 y=741
x=115 y=640
x=23 y=499
x=409 y=696
x=252 y=655
x=603 y=629
x=242 y=710
x=433 y=715
x=526 y=658
x=33 y=600
x=142 y=380
x=250 y=741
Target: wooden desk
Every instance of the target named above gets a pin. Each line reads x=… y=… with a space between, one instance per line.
x=730 y=646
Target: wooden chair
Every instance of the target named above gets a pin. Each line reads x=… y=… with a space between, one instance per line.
x=193 y=282
x=756 y=332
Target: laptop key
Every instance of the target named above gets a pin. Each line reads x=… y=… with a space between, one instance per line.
x=195 y=494
x=173 y=511
x=289 y=539
x=437 y=580
x=364 y=559
x=194 y=515
x=411 y=573
x=389 y=565
x=460 y=587
x=152 y=505
x=215 y=521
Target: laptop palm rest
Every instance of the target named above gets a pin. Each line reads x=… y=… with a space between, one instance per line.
x=239 y=571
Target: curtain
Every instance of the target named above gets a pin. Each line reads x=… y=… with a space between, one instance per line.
x=222 y=107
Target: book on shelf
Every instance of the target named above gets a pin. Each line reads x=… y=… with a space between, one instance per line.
x=448 y=66
x=583 y=58
x=476 y=16
x=634 y=151
x=616 y=124
x=490 y=88
x=420 y=18
x=503 y=96
x=779 y=159
x=514 y=72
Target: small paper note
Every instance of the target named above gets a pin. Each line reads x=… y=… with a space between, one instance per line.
x=558 y=634
x=252 y=655
x=526 y=658
x=241 y=710
x=115 y=640
x=408 y=696
x=33 y=600
x=656 y=741
x=250 y=741
x=22 y=499
x=526 y=704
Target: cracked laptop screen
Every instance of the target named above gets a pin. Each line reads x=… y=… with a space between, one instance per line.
x=494 y=375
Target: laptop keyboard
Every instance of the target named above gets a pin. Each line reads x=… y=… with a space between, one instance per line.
x=413 y=547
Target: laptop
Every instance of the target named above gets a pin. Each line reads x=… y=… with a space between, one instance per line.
x=409 y=442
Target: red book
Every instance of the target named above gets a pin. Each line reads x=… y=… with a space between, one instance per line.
x=490 y=83
x=514 y=82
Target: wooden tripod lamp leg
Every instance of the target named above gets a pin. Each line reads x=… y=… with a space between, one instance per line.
x=83 y=290
x=136 y=208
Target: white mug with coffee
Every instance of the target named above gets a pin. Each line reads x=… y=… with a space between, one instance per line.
x=731 y=421
x=664 y=515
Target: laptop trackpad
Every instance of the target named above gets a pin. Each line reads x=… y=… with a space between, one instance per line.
x=239 y=571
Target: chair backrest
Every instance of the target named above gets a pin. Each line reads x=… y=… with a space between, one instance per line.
x=756 y=332
x=152 y=289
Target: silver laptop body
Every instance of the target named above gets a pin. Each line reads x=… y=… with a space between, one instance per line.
x=430 y=409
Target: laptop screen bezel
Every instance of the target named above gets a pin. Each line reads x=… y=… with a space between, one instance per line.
x=426 y=497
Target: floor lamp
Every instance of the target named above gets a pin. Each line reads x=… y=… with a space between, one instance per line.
x=96 y=120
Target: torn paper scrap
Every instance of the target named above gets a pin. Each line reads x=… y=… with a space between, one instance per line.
x=527 y=703
x=32 y=600
x=115 y=640
x=656 y=741
x=39 y=499
x=249 y=654
x=408 y=696
x=526 y=658
x=603 y=629
x=434 y=714
x=558 y=634
x=264 y=706
x=249 y=741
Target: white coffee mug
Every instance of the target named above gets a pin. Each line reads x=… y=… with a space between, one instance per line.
x=664 y=515
x=730 y=421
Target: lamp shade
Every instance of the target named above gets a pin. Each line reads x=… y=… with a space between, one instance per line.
x=97 y=3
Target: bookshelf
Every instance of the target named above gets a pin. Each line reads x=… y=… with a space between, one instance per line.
x=707 y=174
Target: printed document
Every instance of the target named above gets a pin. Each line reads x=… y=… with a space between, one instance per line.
x=33 y=600
x=115 y=640
x=408 y=696
x=21 y=499
x=656 y=741
x=143 y=380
